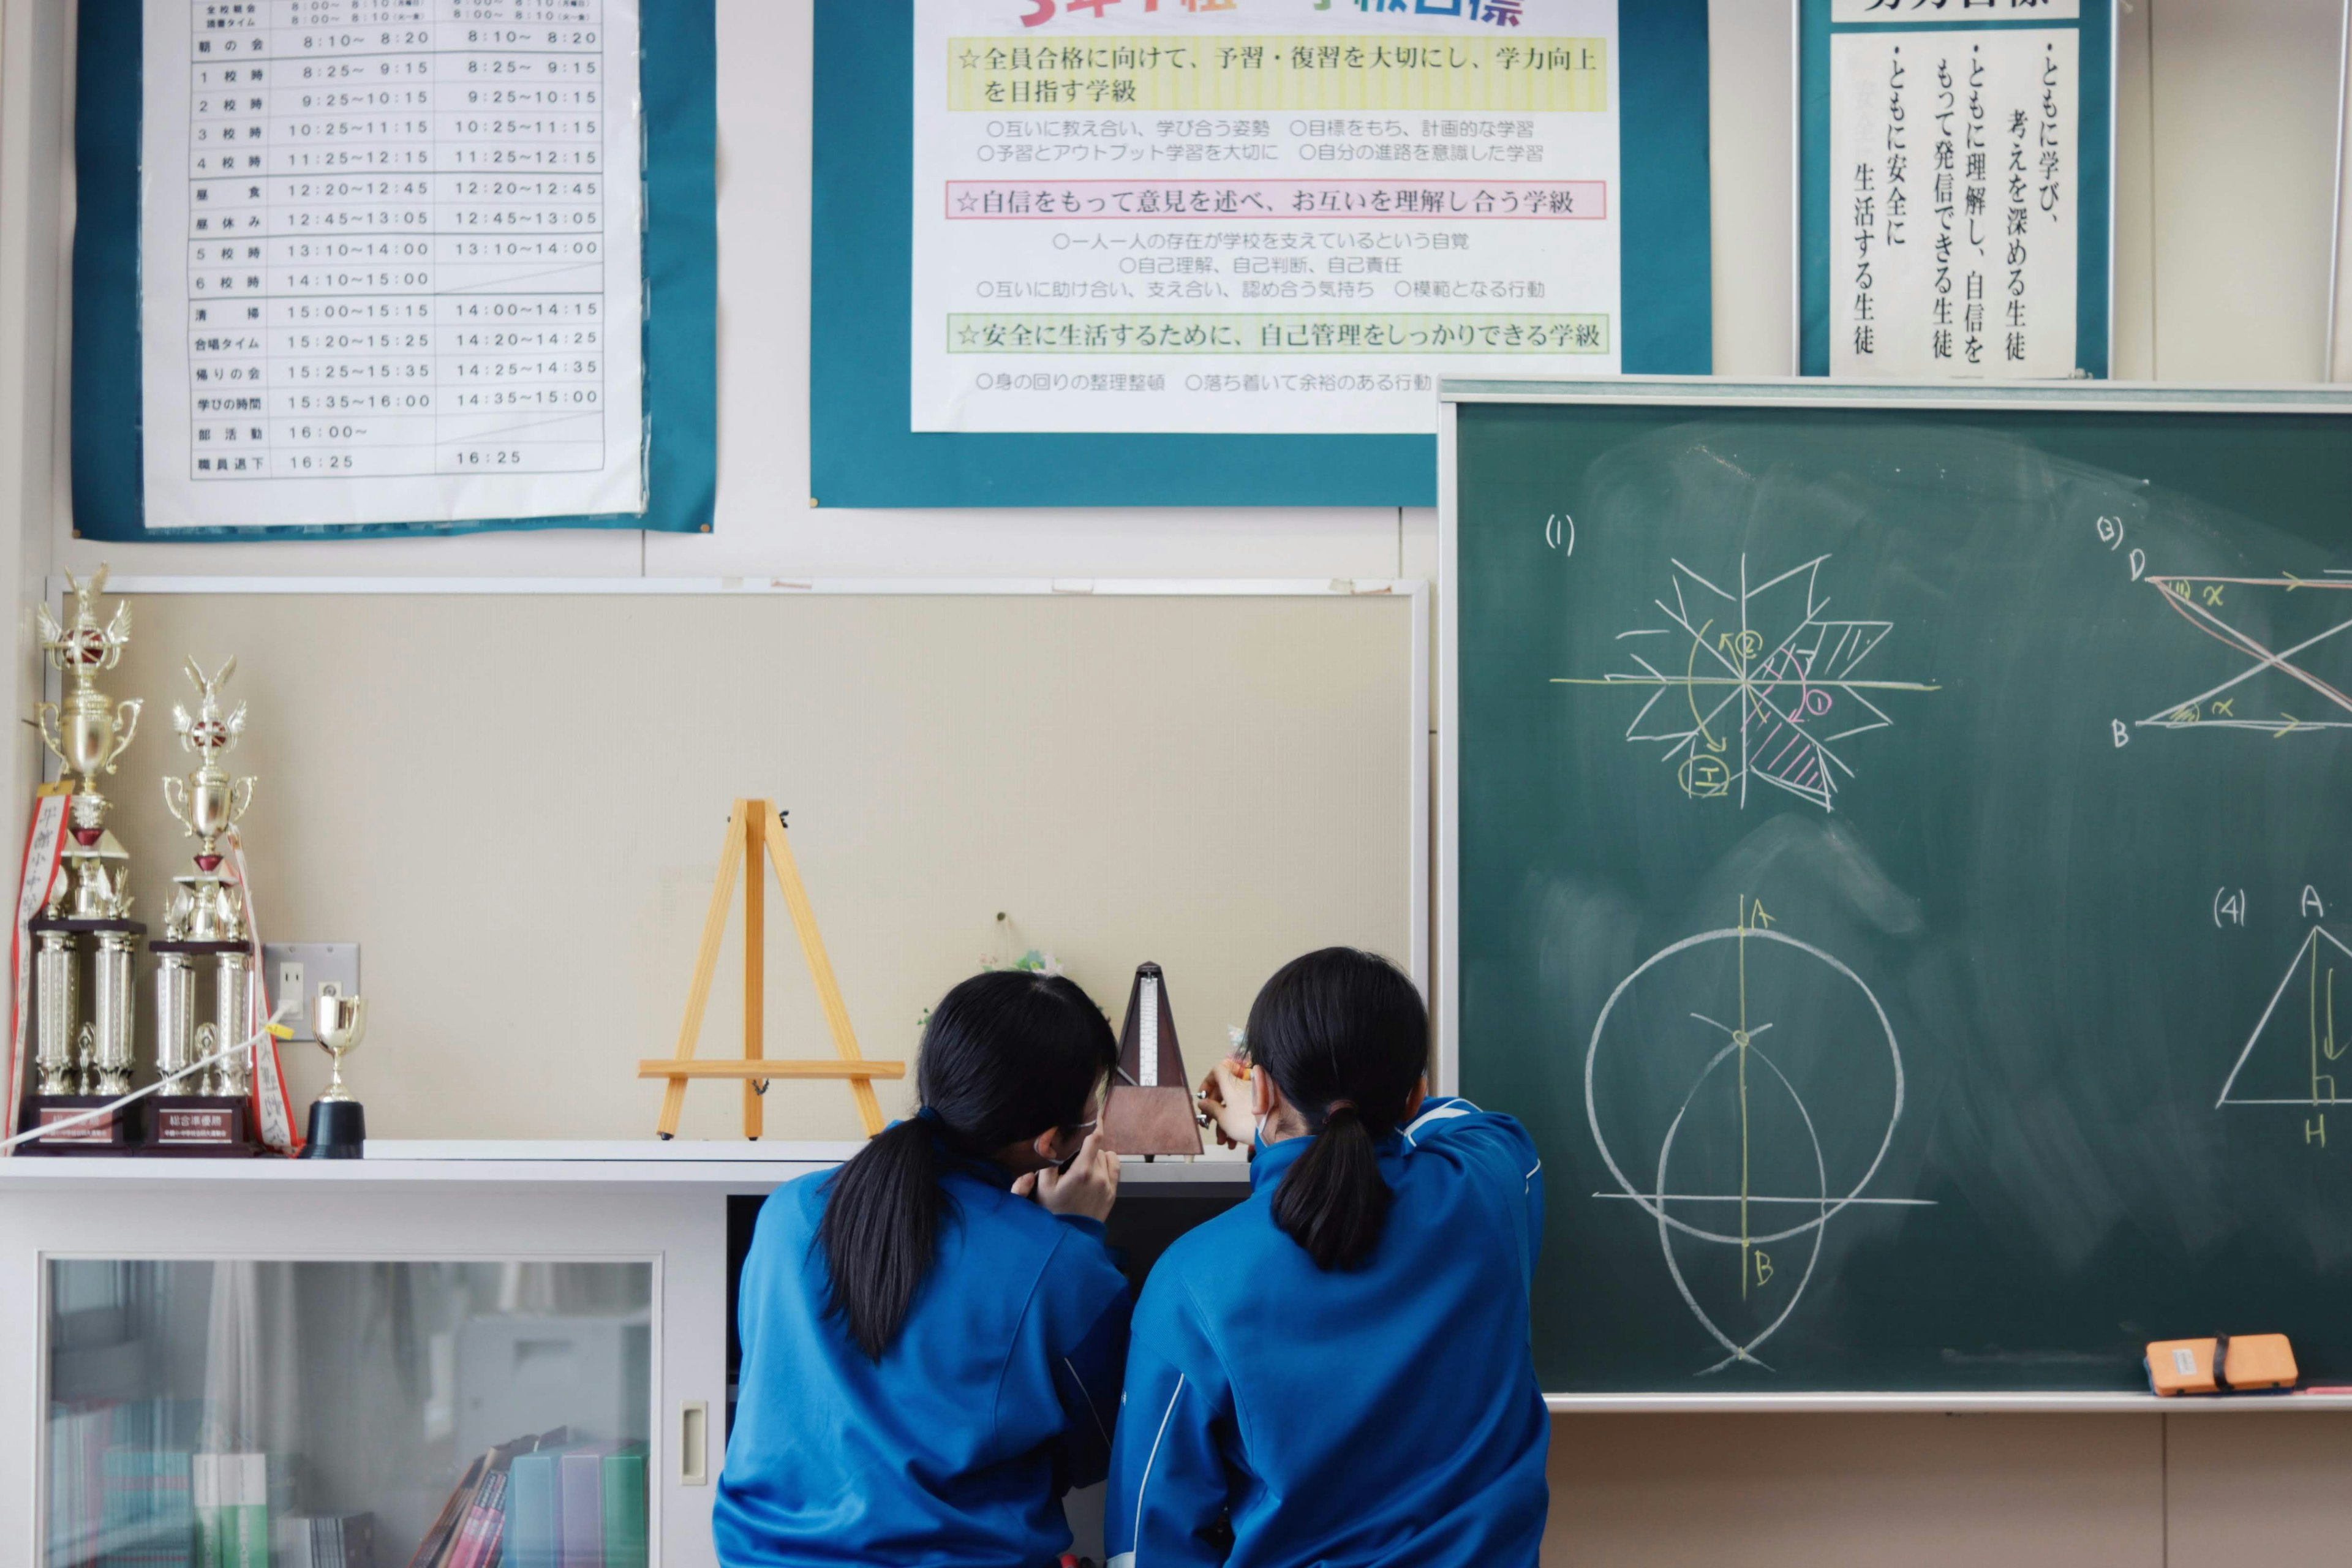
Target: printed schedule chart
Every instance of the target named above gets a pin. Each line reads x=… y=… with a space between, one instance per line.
x=391 y=264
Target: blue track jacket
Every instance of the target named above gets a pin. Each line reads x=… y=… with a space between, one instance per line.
x=997 y=1397
x=1387 y=1415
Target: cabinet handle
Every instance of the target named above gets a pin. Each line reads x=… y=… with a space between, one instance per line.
x=693 y=1443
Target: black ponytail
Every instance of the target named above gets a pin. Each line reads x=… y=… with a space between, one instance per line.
x=879 y=1230
x=1005 y=1056
x=1346 y=1036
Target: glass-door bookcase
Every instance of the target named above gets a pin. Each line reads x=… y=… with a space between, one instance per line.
x=232 y=1413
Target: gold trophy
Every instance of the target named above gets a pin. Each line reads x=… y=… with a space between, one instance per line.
x=338 y=1123
x=209 y=1112
x=83 y=1063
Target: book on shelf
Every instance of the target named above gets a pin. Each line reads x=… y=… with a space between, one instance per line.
x=581 y=1506
x=345 y=1540
x=471 y=1529
x=204 y=1489
x=534 y=1518
x=435 y=1544
x=244 y=1511
x=625 y=1507
x=119 y=1481
x=476 y=1541
x=339 y=1540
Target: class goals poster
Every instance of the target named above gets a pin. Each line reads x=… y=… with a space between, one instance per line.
x=1184 y=252
x=1956 y=194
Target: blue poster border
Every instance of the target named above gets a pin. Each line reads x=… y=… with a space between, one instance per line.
x=678 y=67
x=2095 y=219
x=863 y=453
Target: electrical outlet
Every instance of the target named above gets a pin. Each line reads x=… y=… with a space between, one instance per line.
x=302 y=972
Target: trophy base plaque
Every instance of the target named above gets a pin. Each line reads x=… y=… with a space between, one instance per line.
x=115 y=1134
x=338 y=1131
x=198 y=1126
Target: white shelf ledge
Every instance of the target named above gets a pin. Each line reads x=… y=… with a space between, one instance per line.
x=735 y=1166
x=2019 y=1404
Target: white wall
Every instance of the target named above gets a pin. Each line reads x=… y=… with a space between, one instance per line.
x=2227 y=126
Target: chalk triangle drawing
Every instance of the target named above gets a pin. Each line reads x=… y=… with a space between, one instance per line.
x=2295 y=1047
x=2279 y=691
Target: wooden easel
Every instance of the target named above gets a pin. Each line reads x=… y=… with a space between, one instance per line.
x=753 y=823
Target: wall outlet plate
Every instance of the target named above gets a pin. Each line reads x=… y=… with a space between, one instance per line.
x=304 y=971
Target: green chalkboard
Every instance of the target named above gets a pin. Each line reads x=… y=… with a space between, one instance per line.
x=1904 y=876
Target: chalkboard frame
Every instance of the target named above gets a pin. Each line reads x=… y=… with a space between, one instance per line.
x=1782 y=392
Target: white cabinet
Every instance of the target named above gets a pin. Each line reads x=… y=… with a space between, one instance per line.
x=371 y=1329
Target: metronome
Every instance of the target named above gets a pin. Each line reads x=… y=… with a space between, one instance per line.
x=1150 y=1108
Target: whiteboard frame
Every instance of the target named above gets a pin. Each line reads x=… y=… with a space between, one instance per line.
x=1779 y=392
x=1416 y=592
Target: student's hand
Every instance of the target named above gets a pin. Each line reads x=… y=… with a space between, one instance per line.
x=1088 y=1187
x=1224 y=1100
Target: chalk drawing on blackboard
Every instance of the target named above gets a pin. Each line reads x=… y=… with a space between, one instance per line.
x=2295 y=1046
x=1695 y=969
x=1767 y=680
x=2271 y=707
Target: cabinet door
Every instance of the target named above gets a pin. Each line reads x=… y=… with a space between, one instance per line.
x=354 y=1374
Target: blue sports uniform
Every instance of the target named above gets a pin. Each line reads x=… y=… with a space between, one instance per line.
x=1382 y=1415
x=996 y=1397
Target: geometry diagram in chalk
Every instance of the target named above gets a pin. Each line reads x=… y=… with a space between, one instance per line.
x=2290 y=1057
x=1753 y=686
x=1743 y=1089
x=2276 y=691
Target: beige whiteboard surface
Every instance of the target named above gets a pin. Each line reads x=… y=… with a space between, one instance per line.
x=514 y=802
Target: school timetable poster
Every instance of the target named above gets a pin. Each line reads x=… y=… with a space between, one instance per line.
x=1247 y=237
x=387 y=264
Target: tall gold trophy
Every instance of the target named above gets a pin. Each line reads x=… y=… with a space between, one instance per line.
x=209 y=1111
x=82 y=1062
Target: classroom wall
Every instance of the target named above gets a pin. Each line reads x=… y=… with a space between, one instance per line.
x=522 y=833
x=2227 y=132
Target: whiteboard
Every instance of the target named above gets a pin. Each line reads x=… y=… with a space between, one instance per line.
x=511 y=795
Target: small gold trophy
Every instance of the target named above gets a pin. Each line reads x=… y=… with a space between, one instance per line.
x=338 y=1123
x=209 y=1112
x=83 y=1063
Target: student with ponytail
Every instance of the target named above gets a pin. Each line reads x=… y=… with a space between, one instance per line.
x=933 y=1334
x=1338 y=1371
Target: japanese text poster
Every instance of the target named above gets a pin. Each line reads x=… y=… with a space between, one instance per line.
x=1256 y=216
x=1966 y=189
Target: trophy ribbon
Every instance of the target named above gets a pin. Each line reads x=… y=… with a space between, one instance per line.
x=44 y=843
x=273 y=1111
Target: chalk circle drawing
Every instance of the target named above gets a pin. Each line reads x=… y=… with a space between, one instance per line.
x=1764 y=667
x=2213 y=606
x=1739 y=1085
x=2293 y=1049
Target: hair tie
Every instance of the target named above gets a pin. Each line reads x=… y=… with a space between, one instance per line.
x=1338 y=1105
x=929 y=1114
